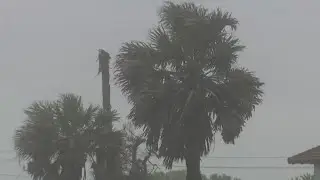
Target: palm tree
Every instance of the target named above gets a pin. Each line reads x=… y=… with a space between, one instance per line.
x=185 y=83
x=58 y=137
x=106 y=143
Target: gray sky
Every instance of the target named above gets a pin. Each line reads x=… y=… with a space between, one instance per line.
x=49 y=47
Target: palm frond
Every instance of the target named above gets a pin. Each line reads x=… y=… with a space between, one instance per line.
x=105 y=117
x=223 y=55
x=197 y=31
x=241 y=93
x=133 y=68
x=222 y=20
x=172 y=15
x=36 y=135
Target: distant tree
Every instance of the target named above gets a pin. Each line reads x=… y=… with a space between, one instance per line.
x=181 y=175
x=204 y=177
x=157 y=176
x=185 y=83
x=306 y=176
x=222 y=177
x=139 y=163
x=59 y=137
x=176 y=175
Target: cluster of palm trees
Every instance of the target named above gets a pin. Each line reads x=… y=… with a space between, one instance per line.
x=184 y=85
x=59 y=137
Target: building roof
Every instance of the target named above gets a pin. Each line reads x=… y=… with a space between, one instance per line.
x=310 y=156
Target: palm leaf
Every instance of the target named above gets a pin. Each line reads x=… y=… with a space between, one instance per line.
x=241 y=93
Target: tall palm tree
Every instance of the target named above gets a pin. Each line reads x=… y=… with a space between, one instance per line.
x=185 y=83
x=59 y=136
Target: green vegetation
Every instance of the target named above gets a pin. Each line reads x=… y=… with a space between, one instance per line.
x=181 y=175
x=185 y=83
x=306 y=176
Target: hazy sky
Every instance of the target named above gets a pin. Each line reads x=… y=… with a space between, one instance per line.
x=49 y=47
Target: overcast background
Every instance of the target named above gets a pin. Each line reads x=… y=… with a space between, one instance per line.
x=49 y=47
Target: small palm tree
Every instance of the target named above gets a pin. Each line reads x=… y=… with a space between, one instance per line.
x=104 y=144
x=58 y=137
x=185 y=83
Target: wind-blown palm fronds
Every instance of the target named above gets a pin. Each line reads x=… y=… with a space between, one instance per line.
x=185 y=83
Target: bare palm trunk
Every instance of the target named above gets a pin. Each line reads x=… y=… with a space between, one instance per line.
x=193 y=161
x=110 y=160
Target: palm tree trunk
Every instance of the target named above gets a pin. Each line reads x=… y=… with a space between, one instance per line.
x=193 y=161
x=112 y=161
